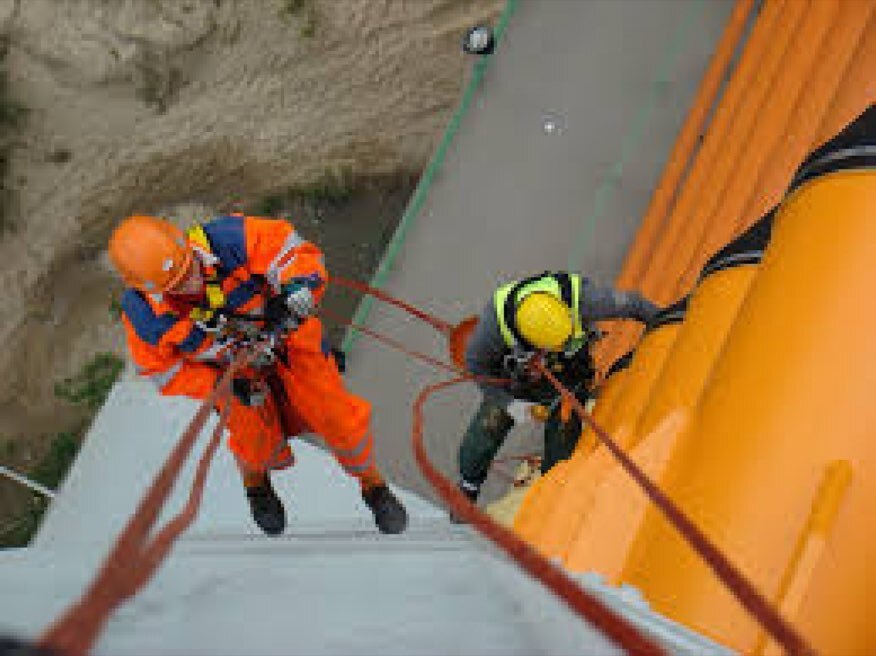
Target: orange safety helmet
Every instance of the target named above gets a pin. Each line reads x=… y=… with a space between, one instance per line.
x=150 y=253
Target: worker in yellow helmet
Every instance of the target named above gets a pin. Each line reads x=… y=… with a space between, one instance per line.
x=551 y=314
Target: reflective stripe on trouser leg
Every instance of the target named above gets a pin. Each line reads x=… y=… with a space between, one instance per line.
x=317 y=395
x=359 y=459
x=485 y=435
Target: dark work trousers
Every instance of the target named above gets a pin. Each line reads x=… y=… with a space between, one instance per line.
x=490 y=426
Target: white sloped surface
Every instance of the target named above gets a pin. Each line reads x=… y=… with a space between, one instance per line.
x=129 y=441
x=331 y=584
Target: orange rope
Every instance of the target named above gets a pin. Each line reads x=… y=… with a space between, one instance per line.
x=428 y=359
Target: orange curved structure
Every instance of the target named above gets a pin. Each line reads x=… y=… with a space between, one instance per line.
x=610 y=395
x=753 y=414
x=638 y=382
x=745 y=95
x=551 y=514
x=615 y=512
x=779 y=120
x=751 y=473
x=712 y=309
x=766 y=136
x=858 y=87
x=823 y=89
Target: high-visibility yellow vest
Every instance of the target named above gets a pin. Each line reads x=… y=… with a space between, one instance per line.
x=562 y=286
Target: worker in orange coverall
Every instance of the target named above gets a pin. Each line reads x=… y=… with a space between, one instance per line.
x=191 y=294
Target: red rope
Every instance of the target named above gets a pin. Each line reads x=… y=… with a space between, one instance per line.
x=580 y=601
x=735 y=581
x=753 y=601
x=134 y=558
x=554 y=578
x=441 y=326
x=428 y=359
x=160 y=546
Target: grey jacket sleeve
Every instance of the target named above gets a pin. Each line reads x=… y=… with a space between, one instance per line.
x=485 y=353
x=598 y=303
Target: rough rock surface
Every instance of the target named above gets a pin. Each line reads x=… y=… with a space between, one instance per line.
x=145 y=105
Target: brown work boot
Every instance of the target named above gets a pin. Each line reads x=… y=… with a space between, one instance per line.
x=266 y=507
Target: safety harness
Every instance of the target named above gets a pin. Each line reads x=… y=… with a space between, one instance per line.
x=573 y=365
x=212 y=283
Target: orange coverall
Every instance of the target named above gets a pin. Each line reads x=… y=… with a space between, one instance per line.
x=246 y=256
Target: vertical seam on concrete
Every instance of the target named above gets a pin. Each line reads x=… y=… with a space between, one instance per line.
x=425 y=182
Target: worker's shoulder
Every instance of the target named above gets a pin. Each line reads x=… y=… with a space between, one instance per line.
x=224 y=225
x=227 y=237
x=136 y=304
x=230 y=234
x=487 y=327
x=237 y=221
x=148 y=314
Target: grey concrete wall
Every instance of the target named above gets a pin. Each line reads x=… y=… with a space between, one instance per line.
x=513 y=199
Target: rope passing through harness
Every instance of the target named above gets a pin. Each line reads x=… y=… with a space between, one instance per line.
x=134 y=558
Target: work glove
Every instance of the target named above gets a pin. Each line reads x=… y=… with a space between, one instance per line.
x=291 y=306
x=300 y=301
x=247 y=392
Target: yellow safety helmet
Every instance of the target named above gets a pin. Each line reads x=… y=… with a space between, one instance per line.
x=544 y=321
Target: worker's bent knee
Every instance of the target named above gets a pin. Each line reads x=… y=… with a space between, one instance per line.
x=495 y=419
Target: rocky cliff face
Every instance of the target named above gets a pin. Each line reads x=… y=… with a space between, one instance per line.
x=144 y=105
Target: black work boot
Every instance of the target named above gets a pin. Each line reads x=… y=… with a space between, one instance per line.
x=266 y=508
x=471 y=492
x=389 y=514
